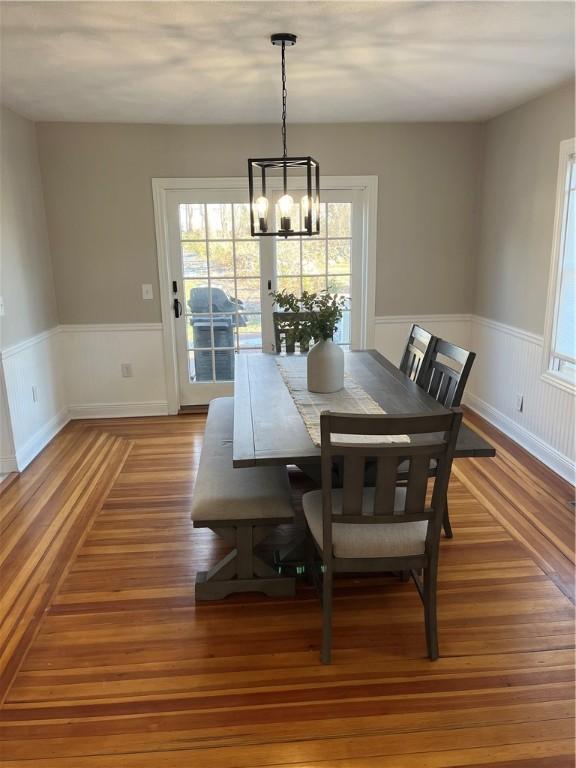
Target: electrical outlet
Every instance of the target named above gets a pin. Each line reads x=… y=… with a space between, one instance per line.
x=126 y=370
x=34 y=393
x=520 y=403
x=147 y=293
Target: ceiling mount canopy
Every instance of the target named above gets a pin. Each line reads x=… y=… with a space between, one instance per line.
x=300 y=174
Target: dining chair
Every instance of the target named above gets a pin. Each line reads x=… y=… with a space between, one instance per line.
x=446 y=372
x=417 y=351
x=286 y=332
x=386 y=527
x=444 y=376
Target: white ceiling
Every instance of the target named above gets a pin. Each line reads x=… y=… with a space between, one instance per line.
x=212 y=62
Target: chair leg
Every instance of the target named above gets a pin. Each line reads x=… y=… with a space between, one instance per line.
x=430 y=617
x=326 y=654
x=446 y=522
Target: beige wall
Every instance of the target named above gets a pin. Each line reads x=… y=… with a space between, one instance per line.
x=519 y=190
x=97 y=182
x=26 y=283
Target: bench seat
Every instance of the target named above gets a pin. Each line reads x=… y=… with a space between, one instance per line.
x=243 y=506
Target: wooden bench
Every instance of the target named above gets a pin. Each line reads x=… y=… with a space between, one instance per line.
x=243 y=506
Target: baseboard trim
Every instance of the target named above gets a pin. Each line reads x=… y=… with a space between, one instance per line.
x=40 y=439
x=118 y=410
x=8 y=464
x=548 y=455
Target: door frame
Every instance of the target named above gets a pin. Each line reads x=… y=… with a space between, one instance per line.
x=368 y=185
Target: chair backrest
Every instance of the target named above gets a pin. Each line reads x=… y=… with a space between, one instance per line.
x=286 y=332
x=417 y=350
x=446 y=372
x=430 y=437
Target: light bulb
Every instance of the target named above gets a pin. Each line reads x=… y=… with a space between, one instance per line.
x=262 y=207
x=285 y=204
x=261 y=210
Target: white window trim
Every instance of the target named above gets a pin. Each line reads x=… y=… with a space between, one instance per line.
x=567 y=148
x=160 y=188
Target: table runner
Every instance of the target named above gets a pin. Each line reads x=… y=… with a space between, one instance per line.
x=352 y=398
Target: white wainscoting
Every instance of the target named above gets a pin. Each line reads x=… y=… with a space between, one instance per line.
x=92 y=356
x=508 y=363
x=7 y=452
x=76 y=369
x=35 y=416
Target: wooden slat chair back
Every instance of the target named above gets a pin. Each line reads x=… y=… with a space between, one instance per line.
x=446 y=372
x=417 y=351
x=432 y=437
x=286 y=332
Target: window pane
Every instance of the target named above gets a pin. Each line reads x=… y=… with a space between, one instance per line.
x=222 y=296
x=194 y=262
x=219 y=221
x=338 y=257
x=200 y=366
x=339 y=219
x=192 y=221
x=196 y=296
x=290 y=284
x=313 y=257
x=339 y=284
x=221 y=259
x=250 y=331
x=248 y=258
x=565 y=338
x=224 y=365
x=248 y=295
x=288 y=257
x=242 y=220
x=314 y=284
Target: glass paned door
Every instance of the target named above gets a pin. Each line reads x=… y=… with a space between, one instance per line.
x=322 y=262
x=216 y=266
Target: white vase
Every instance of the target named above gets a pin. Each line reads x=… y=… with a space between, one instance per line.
x=325 y=367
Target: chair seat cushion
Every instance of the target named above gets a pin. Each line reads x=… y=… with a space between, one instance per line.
x=371 y=540
x=223 y=492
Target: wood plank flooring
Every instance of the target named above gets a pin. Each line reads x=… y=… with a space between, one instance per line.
x=116 y=666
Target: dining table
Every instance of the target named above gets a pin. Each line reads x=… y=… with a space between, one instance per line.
x=268 y=427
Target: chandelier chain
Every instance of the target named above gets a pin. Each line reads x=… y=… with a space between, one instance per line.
x=284 y=97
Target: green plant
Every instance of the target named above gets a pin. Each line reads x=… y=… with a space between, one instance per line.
x=320 y=313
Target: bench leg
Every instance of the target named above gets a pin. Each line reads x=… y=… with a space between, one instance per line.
x=241 y=570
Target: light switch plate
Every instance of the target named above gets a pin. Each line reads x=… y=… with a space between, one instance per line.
x=147 y=293
x=1 y=306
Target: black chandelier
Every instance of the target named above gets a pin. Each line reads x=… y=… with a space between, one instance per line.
x=295 y=218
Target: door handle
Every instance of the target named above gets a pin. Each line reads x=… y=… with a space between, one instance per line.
x=177 y=308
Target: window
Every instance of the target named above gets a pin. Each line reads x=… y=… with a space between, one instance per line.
x=321 y=262
x=560 y=348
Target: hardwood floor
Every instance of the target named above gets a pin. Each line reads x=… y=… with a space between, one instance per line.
x=108 y=662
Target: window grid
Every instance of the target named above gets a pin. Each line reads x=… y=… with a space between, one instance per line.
x=326 y=274
x=207 y=240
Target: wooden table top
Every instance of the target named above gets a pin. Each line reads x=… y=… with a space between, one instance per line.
x=268 y=429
